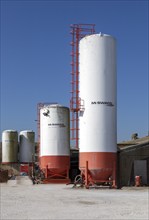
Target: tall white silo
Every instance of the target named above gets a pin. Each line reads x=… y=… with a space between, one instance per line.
x=98 y=130
x=55 y=140
x=27 y=146
x=10 y=146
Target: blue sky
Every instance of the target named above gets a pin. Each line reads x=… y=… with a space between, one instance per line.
x=35 y=58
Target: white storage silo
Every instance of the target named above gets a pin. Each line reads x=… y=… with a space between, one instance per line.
x=98 y=132
x=55 y=140
x=27 y=146
x=9 y=146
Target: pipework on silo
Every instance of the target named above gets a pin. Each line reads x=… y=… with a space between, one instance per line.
x=98 y=130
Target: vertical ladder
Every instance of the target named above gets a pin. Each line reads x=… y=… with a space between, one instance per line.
x=78 y=31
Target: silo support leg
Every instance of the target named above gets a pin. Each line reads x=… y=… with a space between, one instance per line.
x=86 y=175
x=46 y=173
x=114 y=185
x=67 y=173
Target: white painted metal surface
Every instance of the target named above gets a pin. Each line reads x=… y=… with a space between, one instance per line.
x=27 y=146
x=54 y=130
x=98 y=93
x=9 y=146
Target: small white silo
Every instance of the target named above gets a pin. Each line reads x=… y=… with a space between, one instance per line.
x=9 y=146
x=55 y=138
x=27 y=146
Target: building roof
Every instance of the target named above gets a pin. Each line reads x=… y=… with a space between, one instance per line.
x=139 y=142
x=134 y=142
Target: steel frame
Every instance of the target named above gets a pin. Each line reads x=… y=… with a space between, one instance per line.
x=51 y=174
x=90 y=182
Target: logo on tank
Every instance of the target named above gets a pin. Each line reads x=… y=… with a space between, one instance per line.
x=103 y=103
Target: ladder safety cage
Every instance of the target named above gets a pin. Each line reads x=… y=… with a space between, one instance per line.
x=78 y=31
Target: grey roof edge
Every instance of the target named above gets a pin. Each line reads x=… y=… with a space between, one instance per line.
x=132 y=147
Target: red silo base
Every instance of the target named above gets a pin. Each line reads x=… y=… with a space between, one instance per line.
x=98 y=167
x=55 y=168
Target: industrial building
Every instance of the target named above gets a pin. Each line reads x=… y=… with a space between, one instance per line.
x=133 y=160
x=94 y=157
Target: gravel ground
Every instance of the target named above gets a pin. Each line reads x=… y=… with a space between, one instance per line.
x=26 y=201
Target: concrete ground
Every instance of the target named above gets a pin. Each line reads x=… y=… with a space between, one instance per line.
x=19 y=199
